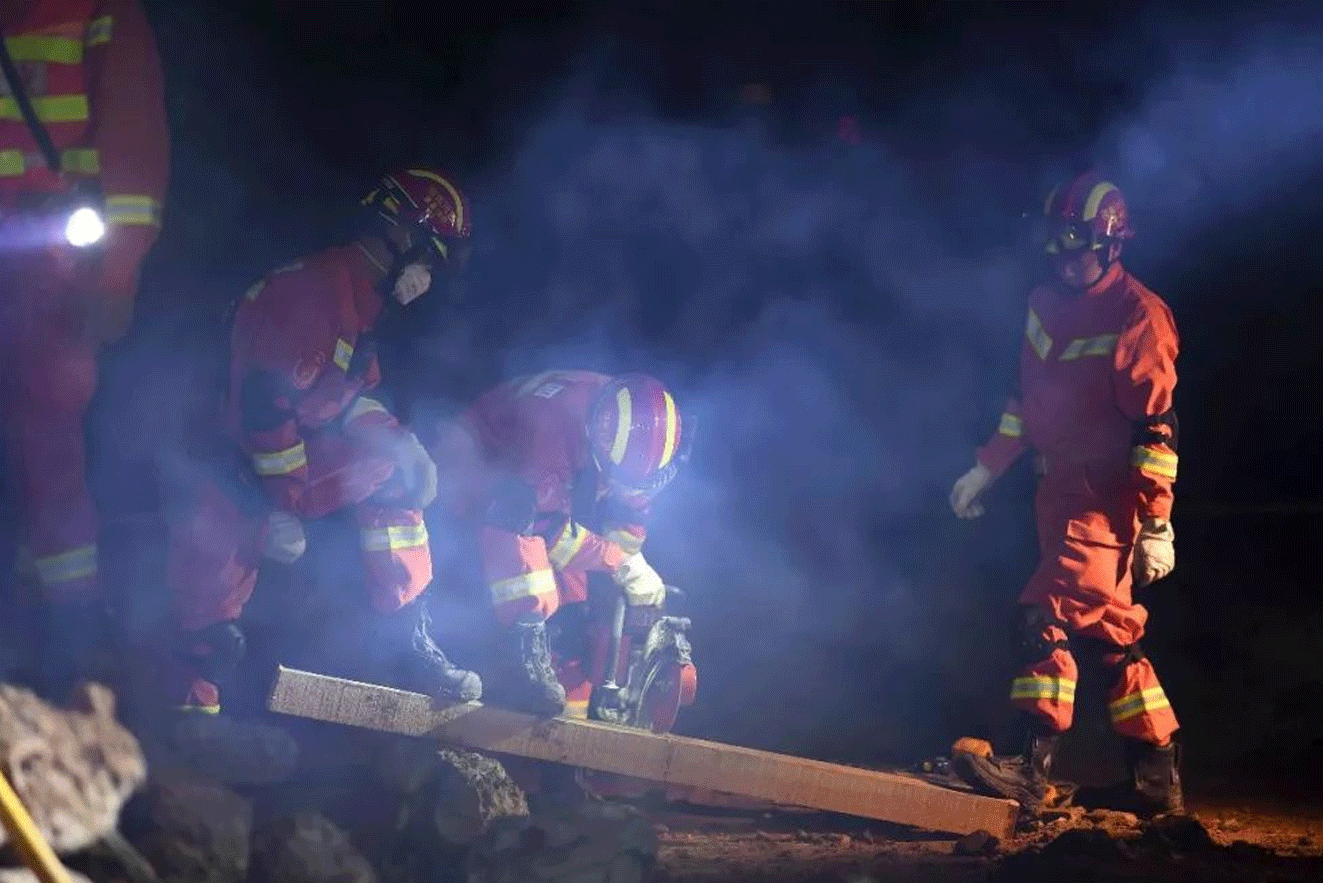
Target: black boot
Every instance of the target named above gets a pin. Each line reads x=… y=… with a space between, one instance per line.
x=1023 y=778
x=423 y=667
x=1156 y=775
x=534 y=686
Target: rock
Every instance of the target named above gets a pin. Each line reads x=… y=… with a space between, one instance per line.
x=1111 y=818
x=307 y=848
x=196 y=832
x=591 y=843
x=227 y=750
x=1176 y=835
x=841 y=840
x=23 y=875
x=977 y=843
x=1091 y=844
x=72 y=769
x=471 y=791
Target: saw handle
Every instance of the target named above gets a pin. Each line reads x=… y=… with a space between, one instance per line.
x=613 y=646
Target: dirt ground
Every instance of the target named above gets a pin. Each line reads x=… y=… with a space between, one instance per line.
x=1223 y=840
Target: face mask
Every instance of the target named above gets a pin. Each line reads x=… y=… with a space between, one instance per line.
x=412 y=281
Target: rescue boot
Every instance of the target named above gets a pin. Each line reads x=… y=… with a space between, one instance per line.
x=1155 y=772
x=534 y=687
x=1022 y=778
x=424 y=667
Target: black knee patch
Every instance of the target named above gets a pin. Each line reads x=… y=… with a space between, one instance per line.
x=215 y=651
x=264 y=402
x=511 y=506
x=1031 y=643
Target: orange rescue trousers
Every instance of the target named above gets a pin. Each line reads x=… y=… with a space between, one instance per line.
x=215 y=551
x=48 y=375
x=1082 y=590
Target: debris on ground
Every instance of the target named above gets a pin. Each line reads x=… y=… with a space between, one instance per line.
x=72 y=768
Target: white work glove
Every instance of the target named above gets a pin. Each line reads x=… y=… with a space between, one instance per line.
x=284 y=540
x=967 y=490
x=415 y=468
x=642 y=586
x=1155 y=554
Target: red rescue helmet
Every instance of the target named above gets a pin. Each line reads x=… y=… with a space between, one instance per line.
x=426 y=202
x=1087 y=212
x=635 y=433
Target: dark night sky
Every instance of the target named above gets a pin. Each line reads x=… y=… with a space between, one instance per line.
x=845 y=316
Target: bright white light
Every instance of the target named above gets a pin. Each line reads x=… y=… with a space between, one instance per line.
x=84 y=227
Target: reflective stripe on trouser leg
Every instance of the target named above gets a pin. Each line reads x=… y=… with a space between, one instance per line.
x=518 y=574
x=578 y=688
x=396 y=554
x=212 y=560
x=1138 y=706
x=46 y=461
x=1046 y=689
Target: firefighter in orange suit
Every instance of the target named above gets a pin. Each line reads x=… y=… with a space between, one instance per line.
x=72 y=239
x=561 y=469
x=305 y=430
x=1097 y=373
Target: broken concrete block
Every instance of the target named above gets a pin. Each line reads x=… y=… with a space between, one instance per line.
x=72 y=769
x=196 y=832
x=471 y=791
x=23 y=875
x=592 y=843
x=307 y=848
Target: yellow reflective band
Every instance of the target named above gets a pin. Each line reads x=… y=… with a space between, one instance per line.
x=1042 y=687
x=344 y=351
x=364 y=405
x=99 y=31
x=133 y=210
x=1038 y=338
x=1102 y=345
x=254 y=290
x=672 y=430
x=199 y=709
x=528 y=585
x=36 y=47
x=394 y=538
x=1011 y=426
x=77 y=563
x=1154 y=462
x=1135 y=704
x=80 y=161
x=630 y=542
x=49 y=108
x=624 y=417
x=568 y=544
x=276 y=463
x=1095 y=199
x=576 y=709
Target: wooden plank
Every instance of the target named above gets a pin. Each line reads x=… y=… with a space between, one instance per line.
x=669 y=759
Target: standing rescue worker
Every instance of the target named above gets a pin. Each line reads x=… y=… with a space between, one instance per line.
x=72 y=239
x=298 y=417
x=1097 y=373
x=560 y=469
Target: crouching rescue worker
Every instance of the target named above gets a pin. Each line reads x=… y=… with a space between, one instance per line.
x=84 y=159
x=1097 y=373
x=567 y=464
x=309 y=440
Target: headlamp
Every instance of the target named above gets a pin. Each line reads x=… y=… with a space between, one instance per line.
x=84 y=226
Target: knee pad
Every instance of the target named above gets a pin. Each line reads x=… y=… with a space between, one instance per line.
x=567 y=631
x=264 y=402
x=1032 y=639
x=511 y=506
x=215 y=651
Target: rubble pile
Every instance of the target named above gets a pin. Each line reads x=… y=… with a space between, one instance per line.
x=1100 y=845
